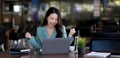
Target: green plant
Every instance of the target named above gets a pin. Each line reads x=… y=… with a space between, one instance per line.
x=81 y=42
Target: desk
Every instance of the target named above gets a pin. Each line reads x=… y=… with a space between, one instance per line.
x=70 y=55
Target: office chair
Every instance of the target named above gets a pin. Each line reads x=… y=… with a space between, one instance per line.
x=105 y=44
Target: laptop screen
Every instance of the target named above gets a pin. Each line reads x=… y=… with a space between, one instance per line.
x=55 y=46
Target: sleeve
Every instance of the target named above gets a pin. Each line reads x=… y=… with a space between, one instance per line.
x=35 y=41
x=65 y=34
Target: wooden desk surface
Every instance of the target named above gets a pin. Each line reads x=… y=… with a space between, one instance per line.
x=70 y=55
x=37 y=55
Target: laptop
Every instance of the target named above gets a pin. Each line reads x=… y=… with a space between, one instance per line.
x=55 y=46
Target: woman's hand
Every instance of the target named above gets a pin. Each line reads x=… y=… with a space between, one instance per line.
x=72 y=31
x=28 y=35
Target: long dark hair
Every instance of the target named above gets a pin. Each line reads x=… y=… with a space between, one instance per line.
x=58 y=26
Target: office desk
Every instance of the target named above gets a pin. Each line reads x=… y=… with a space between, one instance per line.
x=70 y=55
x=37 y=55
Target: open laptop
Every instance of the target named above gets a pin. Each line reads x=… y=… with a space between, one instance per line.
x=55 y=46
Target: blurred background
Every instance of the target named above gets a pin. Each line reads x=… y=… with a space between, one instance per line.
x=85 y=15
x=73 y=11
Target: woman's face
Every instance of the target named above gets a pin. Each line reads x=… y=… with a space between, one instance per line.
x=52 y=20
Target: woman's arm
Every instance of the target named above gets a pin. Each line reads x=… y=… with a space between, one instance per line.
x=65 y=34
x=35 y=41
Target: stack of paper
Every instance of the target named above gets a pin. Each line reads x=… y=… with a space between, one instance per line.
x=16 y=51
x=97 y=54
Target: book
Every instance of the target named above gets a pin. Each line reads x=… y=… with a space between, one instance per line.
x=16 y=51
x=20 y=50
x=97 y=54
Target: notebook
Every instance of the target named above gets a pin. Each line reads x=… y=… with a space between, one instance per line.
x=97 y=55
x=55 y=46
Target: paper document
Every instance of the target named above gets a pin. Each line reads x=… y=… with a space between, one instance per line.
x=97 y=54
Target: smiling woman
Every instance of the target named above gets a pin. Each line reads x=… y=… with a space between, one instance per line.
x=51 y=27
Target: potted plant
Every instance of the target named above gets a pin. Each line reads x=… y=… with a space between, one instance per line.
x=81 y=43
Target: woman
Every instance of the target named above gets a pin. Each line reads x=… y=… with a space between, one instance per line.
x=51 y=28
